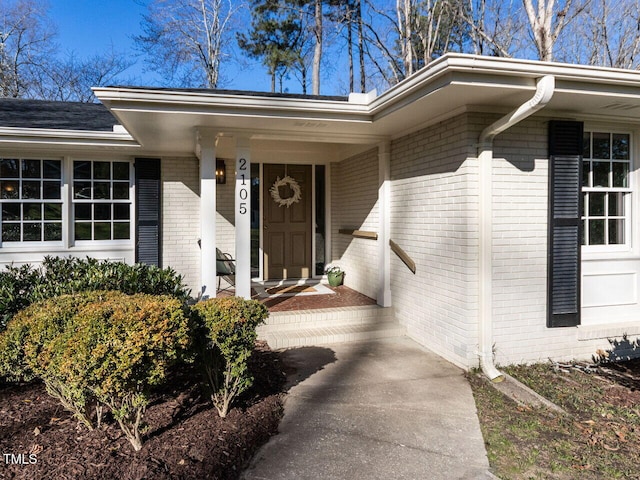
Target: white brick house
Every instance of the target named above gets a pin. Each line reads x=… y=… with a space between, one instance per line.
x=512 y=185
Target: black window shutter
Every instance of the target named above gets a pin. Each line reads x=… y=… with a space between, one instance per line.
x=565 y=225
x=148 y=220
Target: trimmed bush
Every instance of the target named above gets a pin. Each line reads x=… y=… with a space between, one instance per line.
x=103 y=348
x=16 y=290
x=29 y=348
x=21 y=286
x=230 y=333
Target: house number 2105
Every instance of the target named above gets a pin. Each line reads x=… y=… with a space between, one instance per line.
x=243 y=191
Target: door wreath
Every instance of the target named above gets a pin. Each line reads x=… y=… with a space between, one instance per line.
x=293 y=185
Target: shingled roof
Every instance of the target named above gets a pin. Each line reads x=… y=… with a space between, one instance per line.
x=243 y=93
x=23 y=113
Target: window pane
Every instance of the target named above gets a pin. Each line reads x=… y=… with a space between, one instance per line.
x=121 y=191
x=82 y=211
x=9 y=189
x=620 y=174
x=616 y=204
x=82 y=231
x=596 y=204
x=601 y=145
x=584 y=233
x=121 y=230
x=31 y=169
x=81 y=170
x=120 y=170
x=31 y=232
x=101 y=190
x=601 y=174
x=10 y=211
x=9 y=168
x=52 y=232
x=51 y=190
x=596 y=232
x=102 y=231
x=102 y=211
x=51 y=169
x=586 y=146
x=32 y=211
x=616 y=231
x=30 y=189
x=620 y=146
x=585 y=204
x=82 y=190
x=101 y=171
x=53 y=211
x=121 y=211
x=586 y=169
x=10 y=232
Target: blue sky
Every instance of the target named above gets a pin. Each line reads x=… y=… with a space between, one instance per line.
x=90 y=27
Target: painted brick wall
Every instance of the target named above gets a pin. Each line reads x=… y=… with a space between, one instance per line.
x=520 y=253
x=181 y=218
x=354 y=205
x=434 y=219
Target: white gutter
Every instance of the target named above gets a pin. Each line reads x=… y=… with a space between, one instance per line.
x=544 y=92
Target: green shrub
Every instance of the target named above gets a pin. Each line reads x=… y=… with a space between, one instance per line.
x=28 y=347
x=102 y=348
x=230 y=333
x=16 y=290
x=19 y=287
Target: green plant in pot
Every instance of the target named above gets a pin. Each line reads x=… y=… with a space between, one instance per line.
x=335 y=275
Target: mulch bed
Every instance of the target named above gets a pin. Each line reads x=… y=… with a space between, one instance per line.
x=185 y=439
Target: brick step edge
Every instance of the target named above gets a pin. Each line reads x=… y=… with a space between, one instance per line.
x=329 y=316
x=329 y=335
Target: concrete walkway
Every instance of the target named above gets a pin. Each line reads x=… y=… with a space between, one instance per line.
x=385 y=409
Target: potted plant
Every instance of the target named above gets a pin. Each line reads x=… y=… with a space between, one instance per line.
x=335 y=275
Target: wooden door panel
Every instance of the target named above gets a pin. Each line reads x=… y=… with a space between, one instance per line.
x=287 y=230
x=298 y=249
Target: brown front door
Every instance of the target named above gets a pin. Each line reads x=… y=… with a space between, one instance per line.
x=287 y=229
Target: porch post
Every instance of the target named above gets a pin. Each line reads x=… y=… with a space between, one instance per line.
x=207 y=150
x=243 y=217
x=384 y=208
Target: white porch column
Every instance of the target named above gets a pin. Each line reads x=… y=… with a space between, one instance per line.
x=207 y=150
x=384 y=229
x=243 y=217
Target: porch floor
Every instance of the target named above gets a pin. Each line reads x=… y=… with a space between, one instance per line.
x=342 y=297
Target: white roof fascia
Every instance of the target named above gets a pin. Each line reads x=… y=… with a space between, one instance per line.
x=205 y=102
x=503 y=67
x=67 y=137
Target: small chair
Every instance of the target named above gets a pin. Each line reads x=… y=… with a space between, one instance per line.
x=225 y=267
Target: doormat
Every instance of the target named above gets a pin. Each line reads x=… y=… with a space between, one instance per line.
x=291 y=289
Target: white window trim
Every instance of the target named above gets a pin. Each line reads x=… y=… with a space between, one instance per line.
x=594 y=252
x=35 y=244
x=68 y=245
x=129 y=242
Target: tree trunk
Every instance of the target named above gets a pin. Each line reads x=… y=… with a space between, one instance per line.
x=363 y=78
x=350 y=45
x=317 y=52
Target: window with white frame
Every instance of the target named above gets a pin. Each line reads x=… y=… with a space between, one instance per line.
x=101 y=200
x=605 y=188
x=31 y=200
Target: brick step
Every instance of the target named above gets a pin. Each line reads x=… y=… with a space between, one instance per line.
x=326 y=317
x=327 y=335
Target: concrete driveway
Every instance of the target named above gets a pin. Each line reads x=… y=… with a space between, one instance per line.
x=385 y=409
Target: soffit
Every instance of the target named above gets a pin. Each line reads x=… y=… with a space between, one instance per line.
x=167 y=121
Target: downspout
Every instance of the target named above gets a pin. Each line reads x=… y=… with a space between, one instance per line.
x=544 y=92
